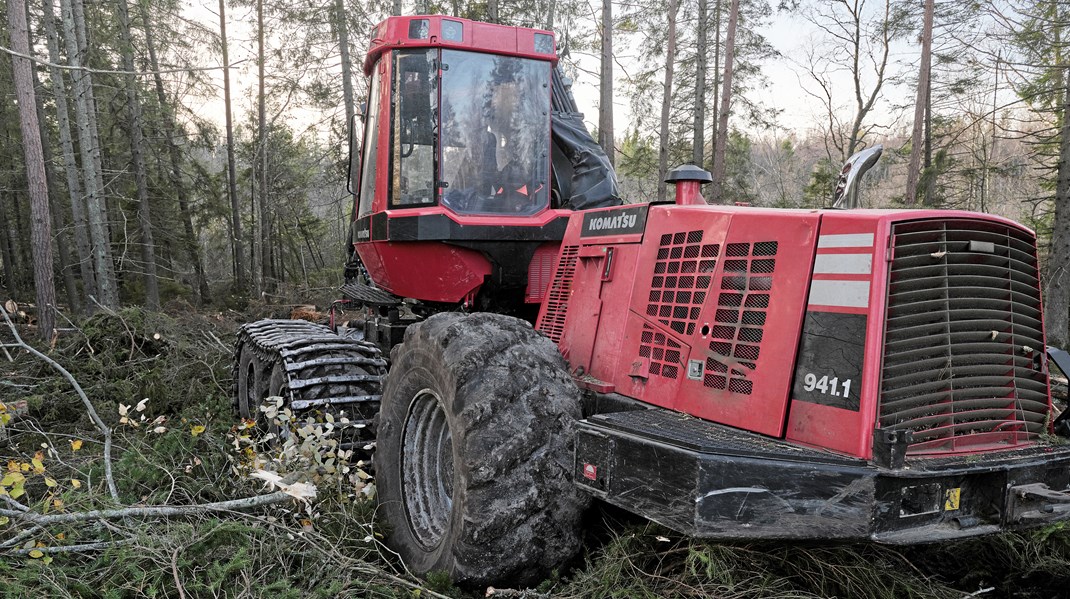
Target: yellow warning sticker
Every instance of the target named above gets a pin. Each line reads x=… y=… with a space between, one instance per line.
x=951 y=499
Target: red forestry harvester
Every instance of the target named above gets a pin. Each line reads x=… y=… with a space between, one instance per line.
x=728 y=372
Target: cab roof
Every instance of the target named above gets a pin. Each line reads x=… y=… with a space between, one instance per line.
x=436 y=31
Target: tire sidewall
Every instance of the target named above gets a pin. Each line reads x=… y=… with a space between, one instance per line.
x=417 y=370
x=246 y=408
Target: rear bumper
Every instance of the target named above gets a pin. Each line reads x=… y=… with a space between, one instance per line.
x=710 y=481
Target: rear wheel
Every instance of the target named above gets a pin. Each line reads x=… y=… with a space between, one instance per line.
x=474 y=451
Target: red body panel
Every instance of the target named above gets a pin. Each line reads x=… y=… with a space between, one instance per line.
x=699 y=316
x=646 y=327
x=431 y=271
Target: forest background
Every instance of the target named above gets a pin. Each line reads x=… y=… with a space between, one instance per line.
x=166 y=176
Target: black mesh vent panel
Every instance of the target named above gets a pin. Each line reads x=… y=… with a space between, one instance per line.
x=681 y=279
x=663 y=352
x=736 y=338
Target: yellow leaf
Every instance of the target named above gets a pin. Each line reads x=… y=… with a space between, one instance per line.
x=61 y=536
x=196 y=429
x=17 y=491
x=50 y=482
x=24 y=467
x=37 y=554
x=58 y=503
x=47 y=560
x=12 y=478
x=4 y=520
x=76 y=483
x=38 y=466
x=12 y=466
x=76 y=444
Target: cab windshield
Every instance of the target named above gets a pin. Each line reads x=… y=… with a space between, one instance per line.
x=495 y=133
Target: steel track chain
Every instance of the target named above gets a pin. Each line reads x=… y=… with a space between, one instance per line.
x=323 y=371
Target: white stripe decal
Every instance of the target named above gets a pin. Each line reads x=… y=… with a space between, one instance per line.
x=851 y=240
x=843 y=264
x=844 y=294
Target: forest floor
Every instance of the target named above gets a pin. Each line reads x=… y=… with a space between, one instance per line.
x=190 y=518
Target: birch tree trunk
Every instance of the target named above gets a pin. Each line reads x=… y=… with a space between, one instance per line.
x=40 y=220
x=666 y=101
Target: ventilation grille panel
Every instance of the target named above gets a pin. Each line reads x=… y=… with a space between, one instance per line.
x=963 y=337
x=663 y=351
x=539 y=272
x=553 y=323
x=681 y=280
x=739 y=321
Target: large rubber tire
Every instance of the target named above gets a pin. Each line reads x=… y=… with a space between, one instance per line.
x=251 y=382
x=474 y=451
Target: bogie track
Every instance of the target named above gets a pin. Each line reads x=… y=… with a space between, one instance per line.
x=312 y=369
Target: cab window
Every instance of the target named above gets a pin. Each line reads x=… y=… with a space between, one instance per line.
x=414 y=128
x=371 y=145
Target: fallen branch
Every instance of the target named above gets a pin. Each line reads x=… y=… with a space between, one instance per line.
x=158 y=511
x=103 y=428
x=75 y=548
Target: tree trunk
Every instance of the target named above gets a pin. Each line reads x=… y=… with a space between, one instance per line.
x=237 y=251
x=395 y=8
x=70 y=163
x=40 y=220
x=920 y=106
x=347 y=63
x=492 y=11
x=717 y=10
x=720 y=146
x=1057 y=299
x=89 y=146
x=137 y=156
x=605 y=100
x=261 y=149
x=59 y=218
x=7 y=254
x=190 y=245
x=698 y=144
x=666 y=101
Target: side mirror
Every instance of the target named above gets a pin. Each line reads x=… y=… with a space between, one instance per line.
x=846 y=195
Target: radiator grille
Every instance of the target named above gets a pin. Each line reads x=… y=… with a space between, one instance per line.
x=553 y=323
x=736 y=336
x=963 y=337
x=681 y=280
x=662 y=351
x=539 y=272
